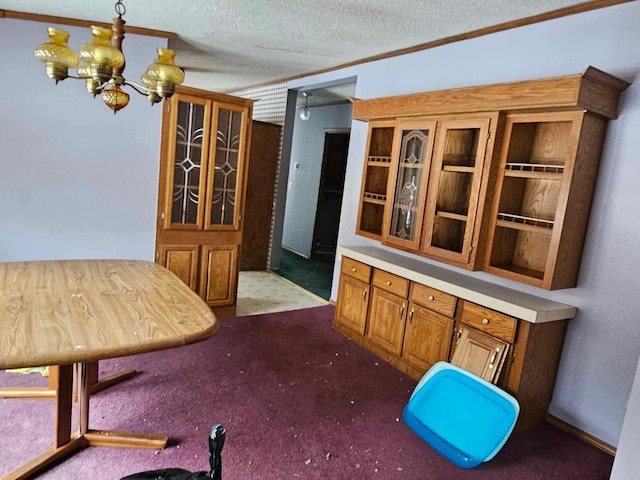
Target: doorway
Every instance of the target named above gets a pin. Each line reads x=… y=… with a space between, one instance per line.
x=315 y=271
x=334 y=165
x=310 y=182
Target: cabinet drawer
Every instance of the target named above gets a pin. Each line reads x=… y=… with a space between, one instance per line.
x=433 y=299
x=356 y=269
x=489 y=321
x=391 y=283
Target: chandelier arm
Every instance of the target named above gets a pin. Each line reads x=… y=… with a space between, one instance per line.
x=142 y=90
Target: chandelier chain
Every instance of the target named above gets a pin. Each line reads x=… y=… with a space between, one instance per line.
x=120 y=8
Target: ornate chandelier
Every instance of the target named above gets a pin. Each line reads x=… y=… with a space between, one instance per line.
x=101 y=64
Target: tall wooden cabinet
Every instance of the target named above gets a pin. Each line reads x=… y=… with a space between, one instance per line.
x=202 y=190
x=497 y=177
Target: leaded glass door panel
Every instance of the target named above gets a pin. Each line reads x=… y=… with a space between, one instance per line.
x=413 y=146
x=226 y=170
x=188 y=151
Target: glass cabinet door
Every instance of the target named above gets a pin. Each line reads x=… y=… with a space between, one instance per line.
x=412 y=155
x=454 y=188
x=227 y=168
x=188 y=150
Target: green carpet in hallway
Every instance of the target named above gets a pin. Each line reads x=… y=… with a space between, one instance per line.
x=312 y=275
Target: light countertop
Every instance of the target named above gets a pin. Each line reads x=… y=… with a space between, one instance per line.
x=506 y=300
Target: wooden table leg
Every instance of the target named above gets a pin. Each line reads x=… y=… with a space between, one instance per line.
x=64 y=443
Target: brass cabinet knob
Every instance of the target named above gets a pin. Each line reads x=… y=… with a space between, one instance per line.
x=430 y=298
x=485 y=321
x=354 y=269
x=388 y=283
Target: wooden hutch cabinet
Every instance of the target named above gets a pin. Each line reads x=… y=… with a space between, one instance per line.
x=205 y=138
x=497 y=177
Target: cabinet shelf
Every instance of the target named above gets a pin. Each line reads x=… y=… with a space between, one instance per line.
x=521 y=222
x=374 y=198
x=459 y=159
x=451 y=215
x=550 y=171
x=458 y=169
x=382 y=161
x=517 y=269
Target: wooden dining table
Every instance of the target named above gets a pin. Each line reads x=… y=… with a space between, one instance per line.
x=72 y=313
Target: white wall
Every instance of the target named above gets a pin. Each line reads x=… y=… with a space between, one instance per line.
x=627 y=462
x=603 y=341
x=75 y=180
x=305 y=169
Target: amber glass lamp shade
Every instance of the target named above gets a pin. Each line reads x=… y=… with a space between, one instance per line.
x=152 y=88
x=84 y=71
x=115 y=98
x=56 y=55
x=100 y=55
x=165 y=73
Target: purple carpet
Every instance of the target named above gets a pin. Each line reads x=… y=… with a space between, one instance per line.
x=298 y=400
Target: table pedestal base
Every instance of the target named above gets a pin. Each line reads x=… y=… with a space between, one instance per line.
x=65 y=443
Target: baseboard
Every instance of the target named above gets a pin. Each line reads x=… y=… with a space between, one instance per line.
x=582 y=435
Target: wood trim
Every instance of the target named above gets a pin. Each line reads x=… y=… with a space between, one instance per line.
x=542 y=17
x=593 y=90
x=218 y=97
x=75 y=22
x=582 y=435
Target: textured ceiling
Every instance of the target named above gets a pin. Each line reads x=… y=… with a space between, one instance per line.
x=227 y=45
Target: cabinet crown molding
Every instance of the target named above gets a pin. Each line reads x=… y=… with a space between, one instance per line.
x=594 y=90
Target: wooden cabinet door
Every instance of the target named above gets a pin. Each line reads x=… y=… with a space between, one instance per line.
x=351 y=307
x=479 y=353
x=226 y=170
x=181 y=260
x=412 y=149
x=454 y=188
x=261 y=177
x=185 y=151
x=427 y=337
x=386 y=320
x=219 y=274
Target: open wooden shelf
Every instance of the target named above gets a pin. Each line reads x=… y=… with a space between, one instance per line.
x=375 y=178
x=451 y=216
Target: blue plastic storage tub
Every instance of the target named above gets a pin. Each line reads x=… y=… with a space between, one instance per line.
x=461 y=416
